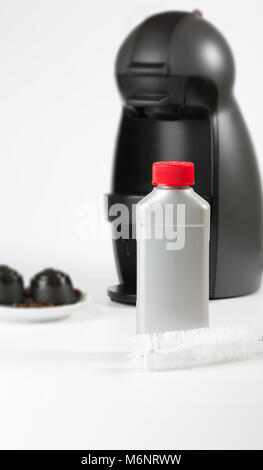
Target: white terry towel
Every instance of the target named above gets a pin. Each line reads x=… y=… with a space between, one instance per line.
x=193 y=348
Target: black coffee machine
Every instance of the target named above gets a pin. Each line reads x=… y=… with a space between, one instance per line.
x=175 y=73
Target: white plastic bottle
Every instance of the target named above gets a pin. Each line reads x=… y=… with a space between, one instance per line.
x=172 y=229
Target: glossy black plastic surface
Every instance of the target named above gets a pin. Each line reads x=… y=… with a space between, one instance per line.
x=11 y=286
x=175 y=73
x=54 y=287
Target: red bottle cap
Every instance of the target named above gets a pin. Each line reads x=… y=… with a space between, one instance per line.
x=173 y=174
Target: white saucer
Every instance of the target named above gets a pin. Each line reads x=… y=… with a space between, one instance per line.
x=41 y=314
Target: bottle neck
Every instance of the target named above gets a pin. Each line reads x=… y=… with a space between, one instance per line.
x=173 y=188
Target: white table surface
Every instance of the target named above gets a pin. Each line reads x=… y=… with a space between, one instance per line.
x=65 y=385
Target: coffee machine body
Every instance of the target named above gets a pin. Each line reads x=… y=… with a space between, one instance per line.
x=175 y=73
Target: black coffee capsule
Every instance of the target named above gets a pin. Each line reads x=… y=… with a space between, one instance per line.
x=53 y=287
x=11 y=286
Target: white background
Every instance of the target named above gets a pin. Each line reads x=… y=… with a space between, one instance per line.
x=59 y=112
